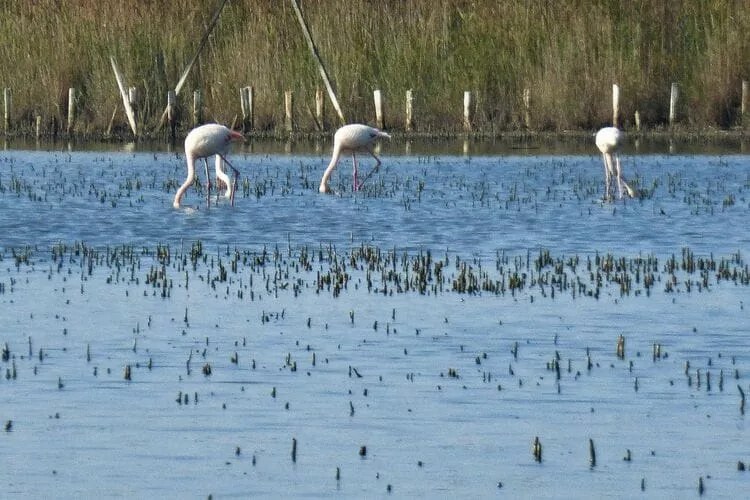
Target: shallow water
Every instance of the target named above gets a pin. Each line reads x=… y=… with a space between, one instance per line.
x=427 y=382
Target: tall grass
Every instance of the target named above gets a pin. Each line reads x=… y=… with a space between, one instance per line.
x=567 y=53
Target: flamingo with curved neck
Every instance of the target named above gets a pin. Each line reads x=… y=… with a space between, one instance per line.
x=202 y=142
x=352 y=138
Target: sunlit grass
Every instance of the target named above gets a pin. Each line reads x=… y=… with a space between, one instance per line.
x=567 y=54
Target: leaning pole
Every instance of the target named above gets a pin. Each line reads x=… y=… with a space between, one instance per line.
x=321 y=68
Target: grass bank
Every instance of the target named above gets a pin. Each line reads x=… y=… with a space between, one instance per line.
x=567 y=54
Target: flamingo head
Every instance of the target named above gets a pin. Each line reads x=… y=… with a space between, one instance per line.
x=235 y=136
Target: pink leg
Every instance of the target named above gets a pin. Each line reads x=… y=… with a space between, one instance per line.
x=354 y=161
x=208 y=184
x=234 y=188
x=374 y=169
x=606 y=176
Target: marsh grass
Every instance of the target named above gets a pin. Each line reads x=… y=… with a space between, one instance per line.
x=567 y=53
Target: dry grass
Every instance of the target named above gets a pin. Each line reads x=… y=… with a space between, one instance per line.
x=567 y=53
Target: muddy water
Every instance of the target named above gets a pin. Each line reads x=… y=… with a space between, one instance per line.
x=421 y=392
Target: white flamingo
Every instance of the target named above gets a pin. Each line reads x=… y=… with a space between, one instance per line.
x=609 y=141
x=352 y=138
x=202 y=142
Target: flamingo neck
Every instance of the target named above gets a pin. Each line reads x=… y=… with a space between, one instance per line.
x=223 y=177
x=331 y=167
x=185 y=185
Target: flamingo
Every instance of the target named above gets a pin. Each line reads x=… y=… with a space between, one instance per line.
x=353 y=138
x=202 y=142
x=609 y=140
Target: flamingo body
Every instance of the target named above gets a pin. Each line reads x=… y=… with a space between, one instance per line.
x=609 y=141
x=202 y=142
x=353 y=138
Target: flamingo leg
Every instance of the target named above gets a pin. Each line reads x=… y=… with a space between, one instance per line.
x=619 y=175
x=374 y=169
x=235 y=182
x=208 y=184
x=355 y=184
x=218 y=187
x=606 y=176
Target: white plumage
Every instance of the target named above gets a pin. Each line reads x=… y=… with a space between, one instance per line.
x=609 y=141
x=202 y=142
x=352 y=138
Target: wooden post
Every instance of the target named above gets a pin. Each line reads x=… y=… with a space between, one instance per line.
x=288 y=111
x=124 y=95
x=108 y=132
x=745 y=107
x=615 y=105
x=185 y=73
x=320 y=108
x=71 y=109
x=247 y=103
x=197 y=108
x=467 y=111
x=673 y=98
x=7 y=95
x=172 y=114
x=318 y=60
x=637 y=121
x=133 y=100
x=409 y=111
x=38 y=126
x=378 y=97
x=527 y=107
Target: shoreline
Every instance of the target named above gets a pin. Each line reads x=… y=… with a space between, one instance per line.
x=675 y=133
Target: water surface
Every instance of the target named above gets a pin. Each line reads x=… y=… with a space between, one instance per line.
x=445 y=389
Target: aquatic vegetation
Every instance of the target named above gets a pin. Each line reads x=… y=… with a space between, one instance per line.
x=300 y=344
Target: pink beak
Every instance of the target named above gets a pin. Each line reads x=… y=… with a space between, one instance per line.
x=236 y=136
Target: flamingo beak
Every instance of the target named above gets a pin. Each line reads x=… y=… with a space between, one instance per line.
x=236 y=136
